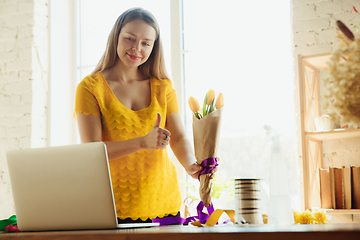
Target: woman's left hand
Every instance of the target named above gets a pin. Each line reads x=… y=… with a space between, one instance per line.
x=194 y=169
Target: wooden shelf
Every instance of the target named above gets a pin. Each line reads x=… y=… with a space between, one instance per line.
x=318 y=61
x=342 y=211
x=310 y=73
x=335 y=134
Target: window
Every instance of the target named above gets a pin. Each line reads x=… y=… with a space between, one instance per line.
x=243 y=49
x=239 y=48
x=96 y=19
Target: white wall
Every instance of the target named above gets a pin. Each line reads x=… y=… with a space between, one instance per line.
x=23 y=83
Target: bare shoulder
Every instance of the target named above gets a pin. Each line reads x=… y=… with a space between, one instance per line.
x=106 y=74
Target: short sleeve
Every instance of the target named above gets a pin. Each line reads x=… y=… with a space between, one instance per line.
x=172 y=101
x=85 y=101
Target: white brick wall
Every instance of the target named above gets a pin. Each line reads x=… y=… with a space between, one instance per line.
x=23 y=83
x=314 y=32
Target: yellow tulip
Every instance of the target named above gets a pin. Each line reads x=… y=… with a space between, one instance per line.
x=194 y=104
x=219 y=101
x=210 y=96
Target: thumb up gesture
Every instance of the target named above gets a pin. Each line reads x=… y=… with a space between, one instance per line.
x=157 y=138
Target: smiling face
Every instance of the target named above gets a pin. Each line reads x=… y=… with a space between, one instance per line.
x=135 y=44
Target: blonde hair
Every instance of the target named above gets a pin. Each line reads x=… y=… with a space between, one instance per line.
x=155 y=65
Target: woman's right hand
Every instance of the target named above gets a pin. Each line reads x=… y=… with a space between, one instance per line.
x=193 y=170
x=157 y=138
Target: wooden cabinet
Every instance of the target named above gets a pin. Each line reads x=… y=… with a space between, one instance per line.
x=310 y=68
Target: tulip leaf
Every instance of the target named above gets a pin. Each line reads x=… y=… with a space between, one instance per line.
x=204 y=106
x=197 y=115
x=211 y=106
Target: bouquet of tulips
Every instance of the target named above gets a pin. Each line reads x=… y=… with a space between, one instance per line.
x=206 y=133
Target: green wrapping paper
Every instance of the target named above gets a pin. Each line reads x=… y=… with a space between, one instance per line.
x=6 y=222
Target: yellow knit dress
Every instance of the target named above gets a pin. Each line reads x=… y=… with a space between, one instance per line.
x=145 y=183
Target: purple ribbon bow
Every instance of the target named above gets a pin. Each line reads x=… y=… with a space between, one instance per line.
x=208 y=165
x=203 y=217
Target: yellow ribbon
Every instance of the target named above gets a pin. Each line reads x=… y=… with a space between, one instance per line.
x=214 y=218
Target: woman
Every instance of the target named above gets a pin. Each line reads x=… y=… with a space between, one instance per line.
x=129 y=104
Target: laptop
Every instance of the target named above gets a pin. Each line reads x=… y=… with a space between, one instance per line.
x=64 y=188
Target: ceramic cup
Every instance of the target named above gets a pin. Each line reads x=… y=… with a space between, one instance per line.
x=247 y=201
